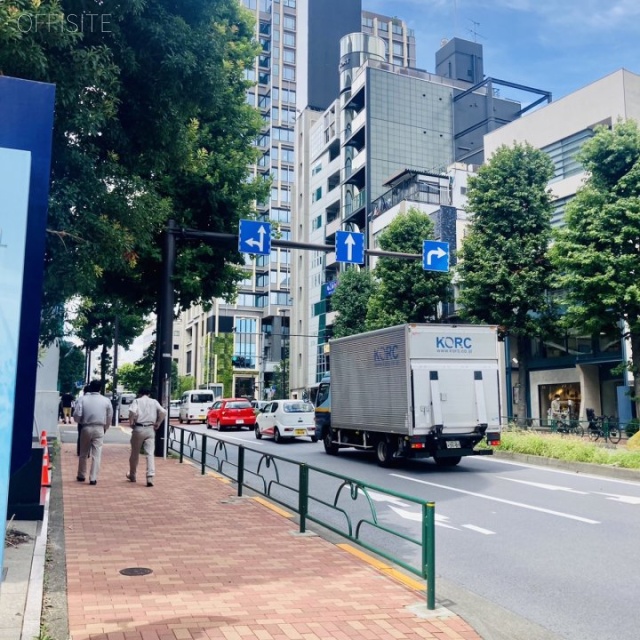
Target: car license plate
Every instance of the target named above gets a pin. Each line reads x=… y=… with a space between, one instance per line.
x=200 y=417
x=300 y=432
x=453 y=444
x=239 y=421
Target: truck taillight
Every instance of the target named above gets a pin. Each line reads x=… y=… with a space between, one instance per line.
x=417 y=445
x=493 y=439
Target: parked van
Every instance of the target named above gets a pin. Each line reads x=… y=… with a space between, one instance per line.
x=194 y=405
x=124 y=403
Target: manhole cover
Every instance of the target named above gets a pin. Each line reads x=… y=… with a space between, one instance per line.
x=136 y=571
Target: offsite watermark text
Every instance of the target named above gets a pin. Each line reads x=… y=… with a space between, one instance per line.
x=69 y=23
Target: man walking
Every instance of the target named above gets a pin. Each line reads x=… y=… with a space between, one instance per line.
x=94 y=413
x=145 y=416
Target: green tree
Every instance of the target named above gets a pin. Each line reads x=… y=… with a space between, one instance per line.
x=151 y=123
x=504 y=267
x=350 y=300
x=597 y=250
x=184 y=383
x=405 y=292
x=71 y=366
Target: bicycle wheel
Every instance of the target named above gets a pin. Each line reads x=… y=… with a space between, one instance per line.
x=594 y=434
x=578 y=430
x=614 y=433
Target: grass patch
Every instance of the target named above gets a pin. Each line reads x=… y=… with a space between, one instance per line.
x=570 y=448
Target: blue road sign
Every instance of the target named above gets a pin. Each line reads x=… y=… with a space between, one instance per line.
x=435 y=256
x=254 y=237
x=350 y=247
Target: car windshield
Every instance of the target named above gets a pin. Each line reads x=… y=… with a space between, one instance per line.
x=201 y=397
x=297 y=407
x=239 y=405
x=126 y=399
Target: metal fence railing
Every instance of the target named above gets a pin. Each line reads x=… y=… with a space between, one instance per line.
x=605 y=427
x=341 y=504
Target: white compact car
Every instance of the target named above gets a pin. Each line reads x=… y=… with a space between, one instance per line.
x=285 y=419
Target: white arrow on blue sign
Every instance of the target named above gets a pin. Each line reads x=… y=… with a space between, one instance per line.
x=254 y=237
x=435 y=256
x=350 y=247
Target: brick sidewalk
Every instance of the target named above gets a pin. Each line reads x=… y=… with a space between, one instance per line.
x=223 y=567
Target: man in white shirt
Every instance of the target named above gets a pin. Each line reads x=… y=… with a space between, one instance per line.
x=145 y=416
x=94 y=413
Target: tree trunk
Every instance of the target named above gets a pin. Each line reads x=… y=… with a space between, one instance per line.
x=522 y=354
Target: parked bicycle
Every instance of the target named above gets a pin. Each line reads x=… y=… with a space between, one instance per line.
x=605 y=427
x=567 y=424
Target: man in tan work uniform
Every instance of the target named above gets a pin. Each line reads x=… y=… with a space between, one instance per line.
x=94 y=413
x=145 y=416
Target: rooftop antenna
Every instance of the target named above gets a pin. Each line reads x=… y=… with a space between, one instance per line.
x=474 y=31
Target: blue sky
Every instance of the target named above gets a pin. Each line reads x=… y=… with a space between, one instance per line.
x=554 y=45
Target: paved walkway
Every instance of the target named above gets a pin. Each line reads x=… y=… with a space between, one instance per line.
x=222 y=567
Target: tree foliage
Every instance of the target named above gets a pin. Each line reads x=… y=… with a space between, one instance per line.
x=597 y=252
x=151 y=123
x=504 y=268
x=404 y=291
x=350 y=300
x=71 y=368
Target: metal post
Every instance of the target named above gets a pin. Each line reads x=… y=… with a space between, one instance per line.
x=181 y=444
x=204 y=454
x=114 y=392
x=508 y=378
x=240 y=470
x=165 y=333
x=429 y=551
x=303 y=497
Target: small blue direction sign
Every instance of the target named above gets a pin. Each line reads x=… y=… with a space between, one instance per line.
x=435 y=255
x=350 y=247
x=254 y=237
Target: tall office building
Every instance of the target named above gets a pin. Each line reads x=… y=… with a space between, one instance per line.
x=391 y=131
x=298 y=67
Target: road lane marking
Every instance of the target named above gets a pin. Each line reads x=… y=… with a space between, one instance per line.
x=539 y=467
x=417 y=517
x=502 y=500
x=473 y=527
x=542 y=485
x=618 y=498
x=381 y=497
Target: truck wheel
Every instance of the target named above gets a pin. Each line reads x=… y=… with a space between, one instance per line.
x=384 y=453
x=448 y=462
x=330 y=447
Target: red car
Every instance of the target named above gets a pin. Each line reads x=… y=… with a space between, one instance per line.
x=231 y=412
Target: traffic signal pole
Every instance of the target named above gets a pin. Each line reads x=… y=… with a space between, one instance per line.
x=166 y=302
x=164 y=337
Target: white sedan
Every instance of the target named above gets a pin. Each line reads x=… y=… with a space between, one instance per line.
x=284 y=419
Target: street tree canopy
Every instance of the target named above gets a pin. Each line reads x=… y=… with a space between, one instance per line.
x=504 y=269
x=404 y=291
x=350 y=300
x=597 y=252
x=151 y=123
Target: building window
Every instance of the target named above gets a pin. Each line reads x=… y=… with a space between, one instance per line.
x=288 y=73
x=289 y=39
x=563 y=154
x=289 y=55
x=290 y=23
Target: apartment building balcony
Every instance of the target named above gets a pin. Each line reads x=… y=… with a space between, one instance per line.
x=332 y=227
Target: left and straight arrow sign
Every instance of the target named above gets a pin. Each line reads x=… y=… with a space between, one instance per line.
x=254 y=237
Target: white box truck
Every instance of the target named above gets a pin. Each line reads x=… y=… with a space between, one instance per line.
x=412 y=391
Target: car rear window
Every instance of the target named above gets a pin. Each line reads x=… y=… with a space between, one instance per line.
x=297 y=407
x=201 y=397
x=238 y=405
x=126 y=399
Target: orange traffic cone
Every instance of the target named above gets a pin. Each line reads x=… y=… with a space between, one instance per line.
x=46 y=476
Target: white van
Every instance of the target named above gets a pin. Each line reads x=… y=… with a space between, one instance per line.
x=194 y=405
x=124 y=403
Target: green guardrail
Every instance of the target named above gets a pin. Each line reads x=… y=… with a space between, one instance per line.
x=266 y=480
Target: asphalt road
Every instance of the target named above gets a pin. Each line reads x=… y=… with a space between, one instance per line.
x=545 y=553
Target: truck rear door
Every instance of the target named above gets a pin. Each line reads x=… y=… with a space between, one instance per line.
x=457 y=396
